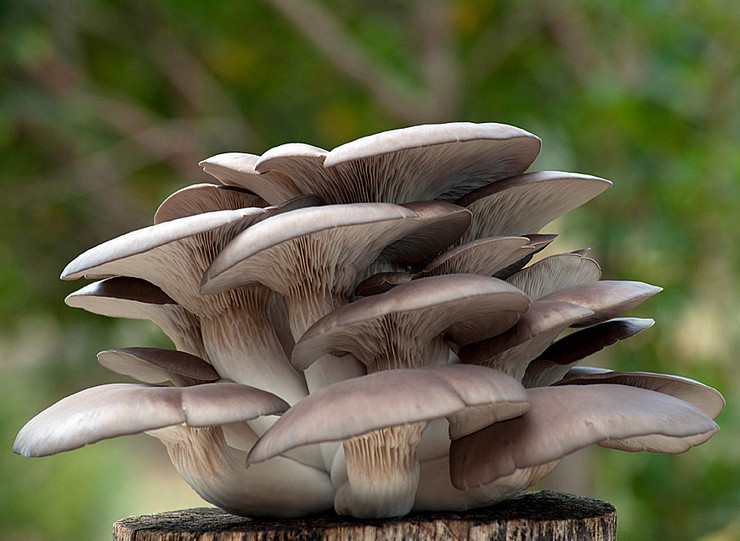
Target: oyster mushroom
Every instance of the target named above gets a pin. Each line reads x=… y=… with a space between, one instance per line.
x=524 y=204
x=553 y=363
x=321 y=252
x=237 y=335
x=188 y=421
x=154 y=365
x=133 y=298
x=407 y=328
x=435 y=161
x=567 y=418
x=380 y=417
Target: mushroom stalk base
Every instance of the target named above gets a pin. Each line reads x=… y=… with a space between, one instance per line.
x=539 y=515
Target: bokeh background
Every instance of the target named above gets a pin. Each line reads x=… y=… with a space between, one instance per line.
x=106 y=108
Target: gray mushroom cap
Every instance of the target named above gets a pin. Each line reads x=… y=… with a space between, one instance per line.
x=200 y=198
x=553 y=363
x=397 y=326
x=134 y=298
x=390 y=398
x=707 y=399
x=567 y=418
x=237 y=169
x=436 y=161
x=526 y=203
x=606 y=298
x=155 y=365
x=121 y=409
x=554 y=273
x=512 y=350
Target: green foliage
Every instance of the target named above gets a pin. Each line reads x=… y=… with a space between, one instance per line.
x=105 y=108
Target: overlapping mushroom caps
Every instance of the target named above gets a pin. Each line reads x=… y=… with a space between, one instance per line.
x=382 y=297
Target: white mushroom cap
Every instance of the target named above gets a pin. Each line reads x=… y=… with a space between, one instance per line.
x=606 y=298
x=526 y=203
x=567 y=418
x=114 y=410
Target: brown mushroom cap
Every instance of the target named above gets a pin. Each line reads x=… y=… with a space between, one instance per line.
x=539 y=242
x=114 y=410
x=553 y=363
x=526 y=203
x=567 y=418
x=397 y=326
x=707 y=399
x=389 y=398
x=154 y=365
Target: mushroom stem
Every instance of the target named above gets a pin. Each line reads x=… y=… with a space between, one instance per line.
x=281 y=487
x=382 y=473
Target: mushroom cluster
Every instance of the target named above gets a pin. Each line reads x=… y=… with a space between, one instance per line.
x=364 y=329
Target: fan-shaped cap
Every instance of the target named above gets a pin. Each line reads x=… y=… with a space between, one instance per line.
x=134 y=298
x=707 y=399
x=554 y=273
x=567 y=418
x=419 y=163
x=512 y=351
x=200 y=198
x=606 y=298
x=390 y=398
x=154 y=365
x=483 y=256
x=114 y=410
x=526 y=203
x=554 y=362
x=237 y=169
x=396 y=327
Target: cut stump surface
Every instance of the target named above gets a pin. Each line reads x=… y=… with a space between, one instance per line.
x=540 y=515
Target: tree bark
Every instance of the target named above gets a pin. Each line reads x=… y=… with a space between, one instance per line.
x=540 y=515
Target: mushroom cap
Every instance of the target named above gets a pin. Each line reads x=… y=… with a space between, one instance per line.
x=554 y=362
x=528 y=202
x=483 y=256
x=434 y=161
x=155 y=365
x=381 y=282
x=200 y=198
x=114 y=256
x=120 y=409
x=567 y=418
x=554 y=273
x=539 y=242
x=120 y=296
x=237 y=169
x=390 y=398
x=606 y=298
x=707 y=399
x=283 y=242
x=465 y=307
x=512 y=350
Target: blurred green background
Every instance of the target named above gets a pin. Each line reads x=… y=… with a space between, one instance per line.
x=106 y=108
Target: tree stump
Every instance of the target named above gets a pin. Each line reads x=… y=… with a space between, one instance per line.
x=540 y=515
